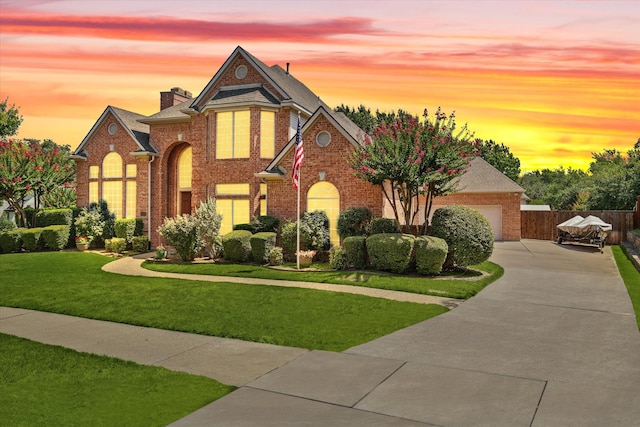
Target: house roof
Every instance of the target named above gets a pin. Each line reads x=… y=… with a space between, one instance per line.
x=481 y=177
x=171 y=114
x=293 y=91
x=255 y=94
x=129 y=121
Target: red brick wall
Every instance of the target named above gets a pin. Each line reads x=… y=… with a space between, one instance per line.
x=282 y=197
x=510 y=203
x=96 y=149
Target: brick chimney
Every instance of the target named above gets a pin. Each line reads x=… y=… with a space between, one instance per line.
x=173 y=97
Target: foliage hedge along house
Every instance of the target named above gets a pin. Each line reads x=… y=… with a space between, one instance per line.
x=235 y=142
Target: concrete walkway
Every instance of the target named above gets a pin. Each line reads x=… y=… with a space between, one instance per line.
x=552 y=343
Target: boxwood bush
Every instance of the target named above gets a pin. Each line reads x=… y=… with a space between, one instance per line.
x=118 y=245
x=32 y=239
x=468 y=235
x=384 y=225
x=127 y=228
x=390 y=251
x=56 y=237
x=47 y=217
x=237 y=245
x=261 y=246
x=139 y=244
x=11 y=240
x=355 y=249
x=353 y=222
x=338 y=258
x=265 y=223
x=275 y=256
x=431 y=253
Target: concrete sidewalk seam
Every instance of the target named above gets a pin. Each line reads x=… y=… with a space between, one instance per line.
x=539 y=403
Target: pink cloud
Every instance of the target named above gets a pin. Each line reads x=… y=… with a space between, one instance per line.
x=166 y=28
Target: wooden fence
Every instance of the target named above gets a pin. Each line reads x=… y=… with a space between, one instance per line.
x=541 y=225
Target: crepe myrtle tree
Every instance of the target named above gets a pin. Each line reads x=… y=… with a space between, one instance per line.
x=413 y=157
x=26 y=168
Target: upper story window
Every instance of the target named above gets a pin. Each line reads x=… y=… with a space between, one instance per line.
x=267 y=134
x=112 y=166
x=232 y=134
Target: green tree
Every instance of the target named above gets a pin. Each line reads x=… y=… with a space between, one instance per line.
x=366 y=120
x=414 y=157
x=563 y=189
x=501 y=158
x=615 y=180
x=10 y=119
x=27 y=168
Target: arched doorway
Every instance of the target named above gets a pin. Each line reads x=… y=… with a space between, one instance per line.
x=184 y=174
x=324 y=196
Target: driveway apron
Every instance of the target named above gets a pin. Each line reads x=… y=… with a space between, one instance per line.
x=554 y=342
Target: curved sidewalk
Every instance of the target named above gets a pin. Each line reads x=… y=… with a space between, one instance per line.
x=132 y=266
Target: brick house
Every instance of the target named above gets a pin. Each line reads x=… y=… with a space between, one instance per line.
x=234 y=141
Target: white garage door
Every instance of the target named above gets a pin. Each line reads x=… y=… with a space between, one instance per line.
x=492 y=213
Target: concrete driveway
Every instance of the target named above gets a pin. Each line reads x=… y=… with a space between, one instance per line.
x=552 y=343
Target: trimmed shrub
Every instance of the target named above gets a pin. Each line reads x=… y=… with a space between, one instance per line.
x=431 y=252
x=140 y=244
x=338 y=258
x=6 y=224
x=468 y=235
x=108 y=219
x=107 y=246
x=390 y=251
x=237 y=245
x=11 y=240
x=244 y=227
x=127 y=228
x=384 y=225
x=355 y=249
x=288 y=240
x=264 y=223
x=118 y=245
x=261 y=246
x=56 y=236
x=181 y=232
x=275 y=256
x=47 y=217
x=32 y=239
x=353 y=222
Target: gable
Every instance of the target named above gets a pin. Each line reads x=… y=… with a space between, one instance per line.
x=481 y=177
x=125 y=120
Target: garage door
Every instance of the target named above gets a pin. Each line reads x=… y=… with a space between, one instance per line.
x=492 y=213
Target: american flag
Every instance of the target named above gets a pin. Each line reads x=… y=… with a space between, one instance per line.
x=298 y=157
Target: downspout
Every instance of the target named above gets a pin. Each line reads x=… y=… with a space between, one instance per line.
x=149 y=201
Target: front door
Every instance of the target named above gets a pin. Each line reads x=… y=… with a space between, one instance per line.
x=185 y=202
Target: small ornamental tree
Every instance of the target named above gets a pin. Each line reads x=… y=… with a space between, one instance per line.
x=28 y=168
x=208 y=223
x=414 y=157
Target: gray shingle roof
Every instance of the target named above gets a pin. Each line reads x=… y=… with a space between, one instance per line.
x=170 y=113
x=243 y=95
x=481 y=177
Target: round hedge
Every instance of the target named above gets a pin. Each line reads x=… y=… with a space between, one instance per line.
x=468 y=235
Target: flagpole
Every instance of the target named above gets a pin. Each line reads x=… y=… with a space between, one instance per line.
x=298 y=225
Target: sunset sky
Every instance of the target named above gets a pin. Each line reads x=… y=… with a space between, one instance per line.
x=552 y=80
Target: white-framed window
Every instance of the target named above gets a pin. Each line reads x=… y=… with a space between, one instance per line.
x=232 y=202
x=267 y=134
x=324 y=196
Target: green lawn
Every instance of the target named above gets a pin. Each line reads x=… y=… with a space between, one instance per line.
x=630 y=276
x=46 y=385
x=73 y=283
x=462 y=285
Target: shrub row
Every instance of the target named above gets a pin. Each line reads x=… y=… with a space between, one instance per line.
x=241 y=246
x=54 y=237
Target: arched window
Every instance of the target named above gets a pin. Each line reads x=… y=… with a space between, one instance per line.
x=324 y=196
x=112 y=182
x=184 y=181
